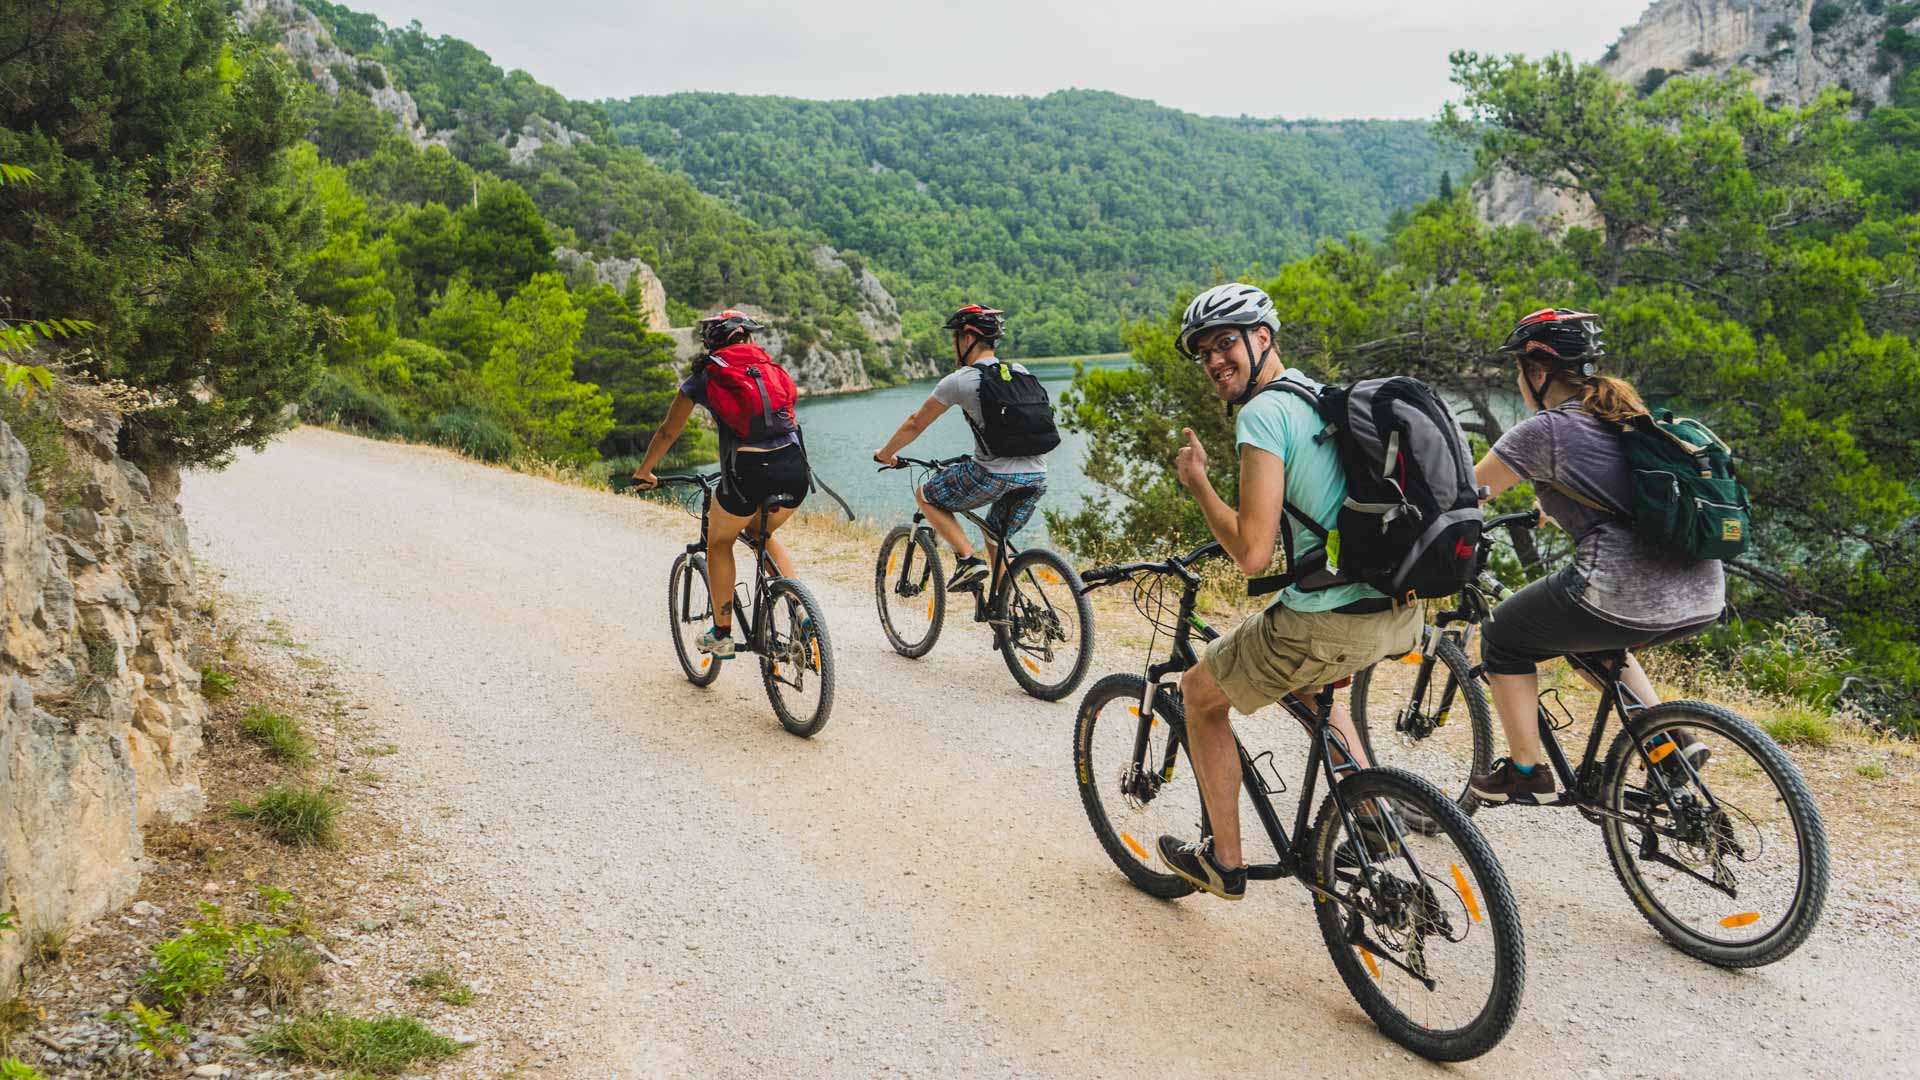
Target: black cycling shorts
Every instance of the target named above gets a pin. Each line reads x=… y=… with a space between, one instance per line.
x=1544 y=622
x=780 y=475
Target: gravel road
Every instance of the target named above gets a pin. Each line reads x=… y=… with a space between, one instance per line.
x=916 y=891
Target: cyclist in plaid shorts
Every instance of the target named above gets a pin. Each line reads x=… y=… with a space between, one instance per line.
x=1012 y=484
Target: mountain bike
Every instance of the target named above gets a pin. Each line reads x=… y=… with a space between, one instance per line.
x=783 y=625
x=1425 y=933
x=1727 y=860
x=1041 y=618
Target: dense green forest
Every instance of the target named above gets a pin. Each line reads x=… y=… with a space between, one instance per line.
x=1076 y=211
x=1756 y=267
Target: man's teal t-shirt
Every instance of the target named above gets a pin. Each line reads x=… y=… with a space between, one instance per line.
x=1283 y=424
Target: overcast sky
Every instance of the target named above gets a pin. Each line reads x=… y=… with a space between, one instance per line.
x=1286 y=58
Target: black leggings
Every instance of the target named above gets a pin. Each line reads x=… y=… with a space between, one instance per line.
x=780 y=475
x=1544 y=622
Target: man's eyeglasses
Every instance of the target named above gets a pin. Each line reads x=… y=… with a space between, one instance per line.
x=1223 y=348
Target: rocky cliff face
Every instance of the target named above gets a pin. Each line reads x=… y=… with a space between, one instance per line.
x=100 y=706
x=620 y=273
x=1793 y=48
x=311 y=48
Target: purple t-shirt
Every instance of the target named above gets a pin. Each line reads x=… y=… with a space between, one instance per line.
x=695 y=387
x=1628 y=581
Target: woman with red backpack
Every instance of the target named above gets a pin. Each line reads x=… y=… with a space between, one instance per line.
x=750 y=398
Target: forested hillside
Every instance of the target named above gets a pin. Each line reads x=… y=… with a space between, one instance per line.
x=1076 y=211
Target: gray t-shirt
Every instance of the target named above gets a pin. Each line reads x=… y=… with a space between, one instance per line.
x=1628 y=581
x=962 y=388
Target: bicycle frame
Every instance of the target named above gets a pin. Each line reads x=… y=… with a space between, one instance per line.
x=1294 y=859
x=753 y=623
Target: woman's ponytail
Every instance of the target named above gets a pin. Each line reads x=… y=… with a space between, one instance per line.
x=1610 y=399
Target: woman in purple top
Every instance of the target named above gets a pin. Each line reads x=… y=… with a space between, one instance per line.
x=1619 y=592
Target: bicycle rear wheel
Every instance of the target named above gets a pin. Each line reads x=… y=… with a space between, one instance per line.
x=1047 y=639
x=1133 y=799
x=1429 y=733
x=796 y=660
x=910 y=590
x=1732 y=867
x=1427 y=938
x=690 y=611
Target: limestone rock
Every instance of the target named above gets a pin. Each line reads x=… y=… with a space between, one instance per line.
x=538 y=131
x=100 y=707
x=620 y=273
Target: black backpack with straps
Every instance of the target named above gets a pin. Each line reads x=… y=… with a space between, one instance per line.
x=1016 y=416
x=1410 y=524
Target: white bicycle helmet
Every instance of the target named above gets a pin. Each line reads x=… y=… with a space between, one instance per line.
x=1234 y=304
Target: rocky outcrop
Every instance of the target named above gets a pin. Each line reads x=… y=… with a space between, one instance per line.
x=620 y=273
x=100 y=706
x=537 y=132
x=1793 y=48
x=312 y=50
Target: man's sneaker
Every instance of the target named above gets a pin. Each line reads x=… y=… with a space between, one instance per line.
x=1193 y=861
x=1378 y=838
x=1508 y=784
x=720 y=648
x=969 y=572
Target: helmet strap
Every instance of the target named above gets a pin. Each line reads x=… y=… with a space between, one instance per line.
x=1253 y=371
x=978 y=340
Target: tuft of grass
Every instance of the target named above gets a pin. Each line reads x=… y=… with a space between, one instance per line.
x=1871 y=769
x=447 y=988
x=385 y=749
x=283 y=971
x=46 y=944
x=281 y=735
x=383 y=1046
x=216 y=685
x=294 y=814
x=1800 y=725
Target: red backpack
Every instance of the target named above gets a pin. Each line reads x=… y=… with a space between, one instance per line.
x=750 y=394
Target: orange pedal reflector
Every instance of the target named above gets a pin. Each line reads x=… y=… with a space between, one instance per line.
x=1134 y=846
x=1745 y=918
x=1031 y=666
x=1659 y=753
x=1371 y=966
x=1412 y=658
x=1466 y=893
x=893 y=560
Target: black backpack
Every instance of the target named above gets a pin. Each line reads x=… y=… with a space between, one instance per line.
x=1410 y=525
x=1016 y=417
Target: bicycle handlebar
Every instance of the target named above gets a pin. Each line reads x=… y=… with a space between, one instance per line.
x=704 y=480
x=922 y=463
x=1525 y=519
x=1102 y=576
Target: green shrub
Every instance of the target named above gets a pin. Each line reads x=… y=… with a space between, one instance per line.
x=1823 y=16
x=15 y=1069
x=1653 y=80
x=280 y=734
x=1781 y=34
x=154 y=1030
x=338 y=399
x=36 y=423
x=386 y=1045
x=294 y=815
x=194 y=964
x=473 y=433
x=215 y=684
x=1801 y=658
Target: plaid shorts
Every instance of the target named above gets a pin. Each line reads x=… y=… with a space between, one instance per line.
x=968 y=486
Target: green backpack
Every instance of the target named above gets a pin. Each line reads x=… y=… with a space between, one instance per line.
x=1685 y=497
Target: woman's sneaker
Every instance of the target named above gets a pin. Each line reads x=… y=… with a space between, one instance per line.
x=720 y=648
x=1505 y=783
x=1193 y=861
x=1375 y=834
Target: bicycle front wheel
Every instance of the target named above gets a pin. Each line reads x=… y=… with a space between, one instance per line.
x=1427 y=934
x=690 y=611
x=1439 y=728
x=796 y=659
x=1047 y=636
x=910 y=591
x=1727 y=860
x=1135 y=784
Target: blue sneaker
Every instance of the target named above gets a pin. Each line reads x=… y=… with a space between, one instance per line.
x=711 y=643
